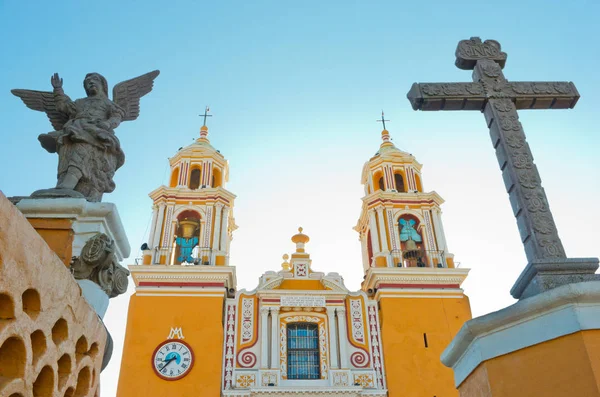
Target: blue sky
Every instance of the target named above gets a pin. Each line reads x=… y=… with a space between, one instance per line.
x=295 y=89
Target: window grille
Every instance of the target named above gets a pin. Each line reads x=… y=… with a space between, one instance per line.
x=303 y=351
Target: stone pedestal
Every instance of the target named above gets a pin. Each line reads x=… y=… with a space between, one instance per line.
x=544 y=274
x=545 y=345
x=70 y=222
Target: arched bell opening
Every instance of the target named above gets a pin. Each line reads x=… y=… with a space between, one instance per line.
x=174 y=177
x=411 y=242
x=378 y=183
x=399 y=182
x=195 y=175
x=187 y=237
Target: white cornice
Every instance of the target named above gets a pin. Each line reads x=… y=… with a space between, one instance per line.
x=179 y=274
x=196 y=194
x=304 y=391
x=413 y=276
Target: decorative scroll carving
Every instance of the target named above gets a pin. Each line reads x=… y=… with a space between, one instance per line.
x=246 y=359
x=98 y=263
x=359 y=359
x=452 y=89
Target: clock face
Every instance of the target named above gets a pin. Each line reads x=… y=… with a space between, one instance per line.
x=172 y=359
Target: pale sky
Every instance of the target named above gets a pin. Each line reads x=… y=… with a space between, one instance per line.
x=295 y=89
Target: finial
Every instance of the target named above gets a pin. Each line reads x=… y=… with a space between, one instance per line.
x=204 y=128
x=300 y=229
x=286 y=265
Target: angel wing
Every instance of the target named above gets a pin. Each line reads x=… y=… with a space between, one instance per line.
x=127 y=94
x=43 y=101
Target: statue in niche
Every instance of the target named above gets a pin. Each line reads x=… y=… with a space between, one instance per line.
x=188 y=242
x=408 y=231
x=98 y=263
x=88 y=150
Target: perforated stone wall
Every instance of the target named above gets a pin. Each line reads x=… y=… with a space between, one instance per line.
x=51 y=340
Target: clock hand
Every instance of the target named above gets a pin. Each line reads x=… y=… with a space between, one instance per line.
x=168 y=362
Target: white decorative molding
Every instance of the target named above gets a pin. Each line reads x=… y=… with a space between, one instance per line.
x=340 y=378
x=558 y=312
x=356 y=317
x=376 y=346
x=269 y=377
x=247 y=319
x=301 y=270
x=229 y=346
x=303 y=301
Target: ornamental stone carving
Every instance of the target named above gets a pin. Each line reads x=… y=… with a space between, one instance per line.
x=98 y=263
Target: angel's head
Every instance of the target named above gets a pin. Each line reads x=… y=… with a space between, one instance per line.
x=94 y=83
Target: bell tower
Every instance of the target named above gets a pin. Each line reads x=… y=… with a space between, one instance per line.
x=192 y=218
x=400 y=224
x=174 y=336
x=409 y=272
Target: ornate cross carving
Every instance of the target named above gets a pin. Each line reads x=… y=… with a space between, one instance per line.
x=498 y=99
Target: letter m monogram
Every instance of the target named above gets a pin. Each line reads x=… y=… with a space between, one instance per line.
x=176 y=333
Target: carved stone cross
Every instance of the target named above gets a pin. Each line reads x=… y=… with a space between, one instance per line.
x=499 y=99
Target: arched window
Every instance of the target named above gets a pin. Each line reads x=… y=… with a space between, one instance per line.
x=303 y=361
x=378 y=181
x=399 y=182
x=380 y=184
x=195 y=179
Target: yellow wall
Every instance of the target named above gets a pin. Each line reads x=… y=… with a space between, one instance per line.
x=149 y=322
x=564 y=367
x=411 y=368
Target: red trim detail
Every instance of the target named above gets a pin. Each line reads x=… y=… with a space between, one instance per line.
x=271 y=300
x=424 y=286
x=334 y=301
x=401 y=201
x=178 y=284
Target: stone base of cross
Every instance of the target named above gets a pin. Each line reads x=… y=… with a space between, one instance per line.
x=498 y=99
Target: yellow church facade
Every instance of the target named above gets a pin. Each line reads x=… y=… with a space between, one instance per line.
x=300 y=331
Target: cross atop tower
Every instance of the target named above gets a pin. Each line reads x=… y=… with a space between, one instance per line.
x=205 y=115
x=383 y=120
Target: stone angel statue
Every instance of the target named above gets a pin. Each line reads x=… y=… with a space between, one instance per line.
x=88 y=150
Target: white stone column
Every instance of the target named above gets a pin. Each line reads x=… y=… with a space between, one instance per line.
x=172 y=247
x=264 y=337
x=365 y=251
x=382 y=233
x=224 y=227
x=341 y=316
x=439 y=229
x=275 y=337
x=217 y=232
x=150 y=240
x=158 y=228
x=333 y=345
x=374 y=235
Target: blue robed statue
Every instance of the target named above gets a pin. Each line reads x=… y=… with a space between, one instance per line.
x=408 y=231
x=187 y=242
